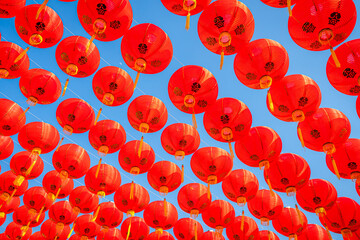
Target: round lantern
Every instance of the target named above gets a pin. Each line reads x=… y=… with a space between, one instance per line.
x=160 y=236
x=10 y=8
x=314 y=232
x=232 y=27
x=187 y=229
x=227 y=120
x=134 y=228
x=14 y=61
x=243 y=227
x=146 y=48
x=280 y=4
x=36 y=236
x=109 y=216
x=50 y=230
x=211 y=235
x=62 y=213
x=112 y=86
x=75 y=116
x=6 y=147
x=110 y=234
x=56 y=185
x=39 y=27
x=219 y=215
x=36 y=198
x=260 y=63
x=131 y=162
x=105 y=21
x=180 y=139
x=86 y=227
x=293 y=98
x=16 y=231
x=79 y=237
x=160 y=215
x=268 y=235
x=259 y=148
x=240 y=186
x=291 y=222
x=83 y=201
x=12 y=117
x=26 y=166
x=193 y=198
x=26 y=218
x=8 y=207
x=8 y=189
x=193 y=89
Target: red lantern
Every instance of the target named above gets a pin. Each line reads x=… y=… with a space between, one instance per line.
x=131 y=198
x=110 y=234
x=109 y=215
x=78 y=237
x=12 y=117
x=260 y=147
x=26 y=166
x=107 y=136
x=113 y=86
x=103 y=179
x=227 y=120
x=219 y=215
x=240 y=186
x=346 y=78
x=232 y=27
x=35 y=236
x=82 y=200
x=50 y=230
x=42 y=29
x=10 y=8
x=160 y=236
x=288 y=174
x=14 y=231
x=160 y=215
x=243 y=227
x=39 y=137
x=187 y=229
x=343 y=217
x=57 y=186
x=26 y=218
x=316 y=26
x=40 y=86
x=268 y=235
x=86 y=227
x=180 y=139
x=186 y=8
x=6 y=147
x=75 y=116
x=211 y=235
x=346 y=159
x=62 y=213
x=105 y=21
x=146 y=48
x=260 y=63
x=139 y=230
x=14 y=60
x=71 y=160
x=131 y=162
x=7 y=187
x=165 y=177
x=193 y=199
x=77 y=57
x=266 y=206
x=293 y=98
x=314 y=232
x=291 y=222
x=37 y=198
x=8 y=207
x=279 y=4
x=192 y=89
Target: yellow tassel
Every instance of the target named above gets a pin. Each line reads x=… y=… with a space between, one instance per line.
x=57 y=194
x=335 y=167
x=129 y=228
x=43 y=5
x=40 y=212
x=270 y=187
x=231 y=151
x=98 y=168
x=196 y=237
x=242 y=221
x=96 y=214
x=289 y=7
x=208 y=191
x=299 y=214
x=328 y=232
x=165 y=208
x=89 y=43
x=301 y=137
x=65 y=87
x=24 y=229
x=28 y=171
x=222 y=59
x=23 y=114
x=140 y=146
x=97 y=116
x=296 y=238
x=136 y=79
x=187 y=25
x=182 y=173
x=271 y=104
x=72 y=229
x=18 y=180
x=269 y=235
x=336 y=60
x=132 y=191
x=194 y=120
x=21 y=55
x=56 y=238
x=62 y=139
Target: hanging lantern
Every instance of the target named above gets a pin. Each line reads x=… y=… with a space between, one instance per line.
x=260 y=63
x=15 y=231
x=36 y=198
x=219 y=215
x=314 y=232
x=227 y=121
x=26 y=218
x=57 y=186
x=188 y=229
x=165 y=177
x=78 y=237
x=180 y=139
x=6 y=147
x=293 y=98
x=113 y=86
x=280 y=4
x=243 y=227
x=268 y=235
x=107 y=136
x=186 y=8
x=343 y=217
x=14 y=61
x=35 y=236
x=71 y=160
x=291 y=222
x=50 y=230
x=39 y=29
x=192 y=89
x=259 y=148
x=109 y=216
x=146 y=48
x=317 y=26
x=8 y=189
x=211 y=235
x=193 y=198
x=160 y=236
x=139 y=230
x=12 y=117
x=266 y=206
x=110 y=234
x=8 y=207
x=317 y=195
x=103 y=179
x=131 y=198
x=160 y=215
x=62 y=213
x=10 y=8
x=240 y=186
x=83 y=201
x=131 y=162
x=232 y=28
x=288 y=174
x=75 y=116
x=211 y=165
x=86 y=227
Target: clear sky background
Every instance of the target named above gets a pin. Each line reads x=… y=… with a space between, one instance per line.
x=188 y=50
